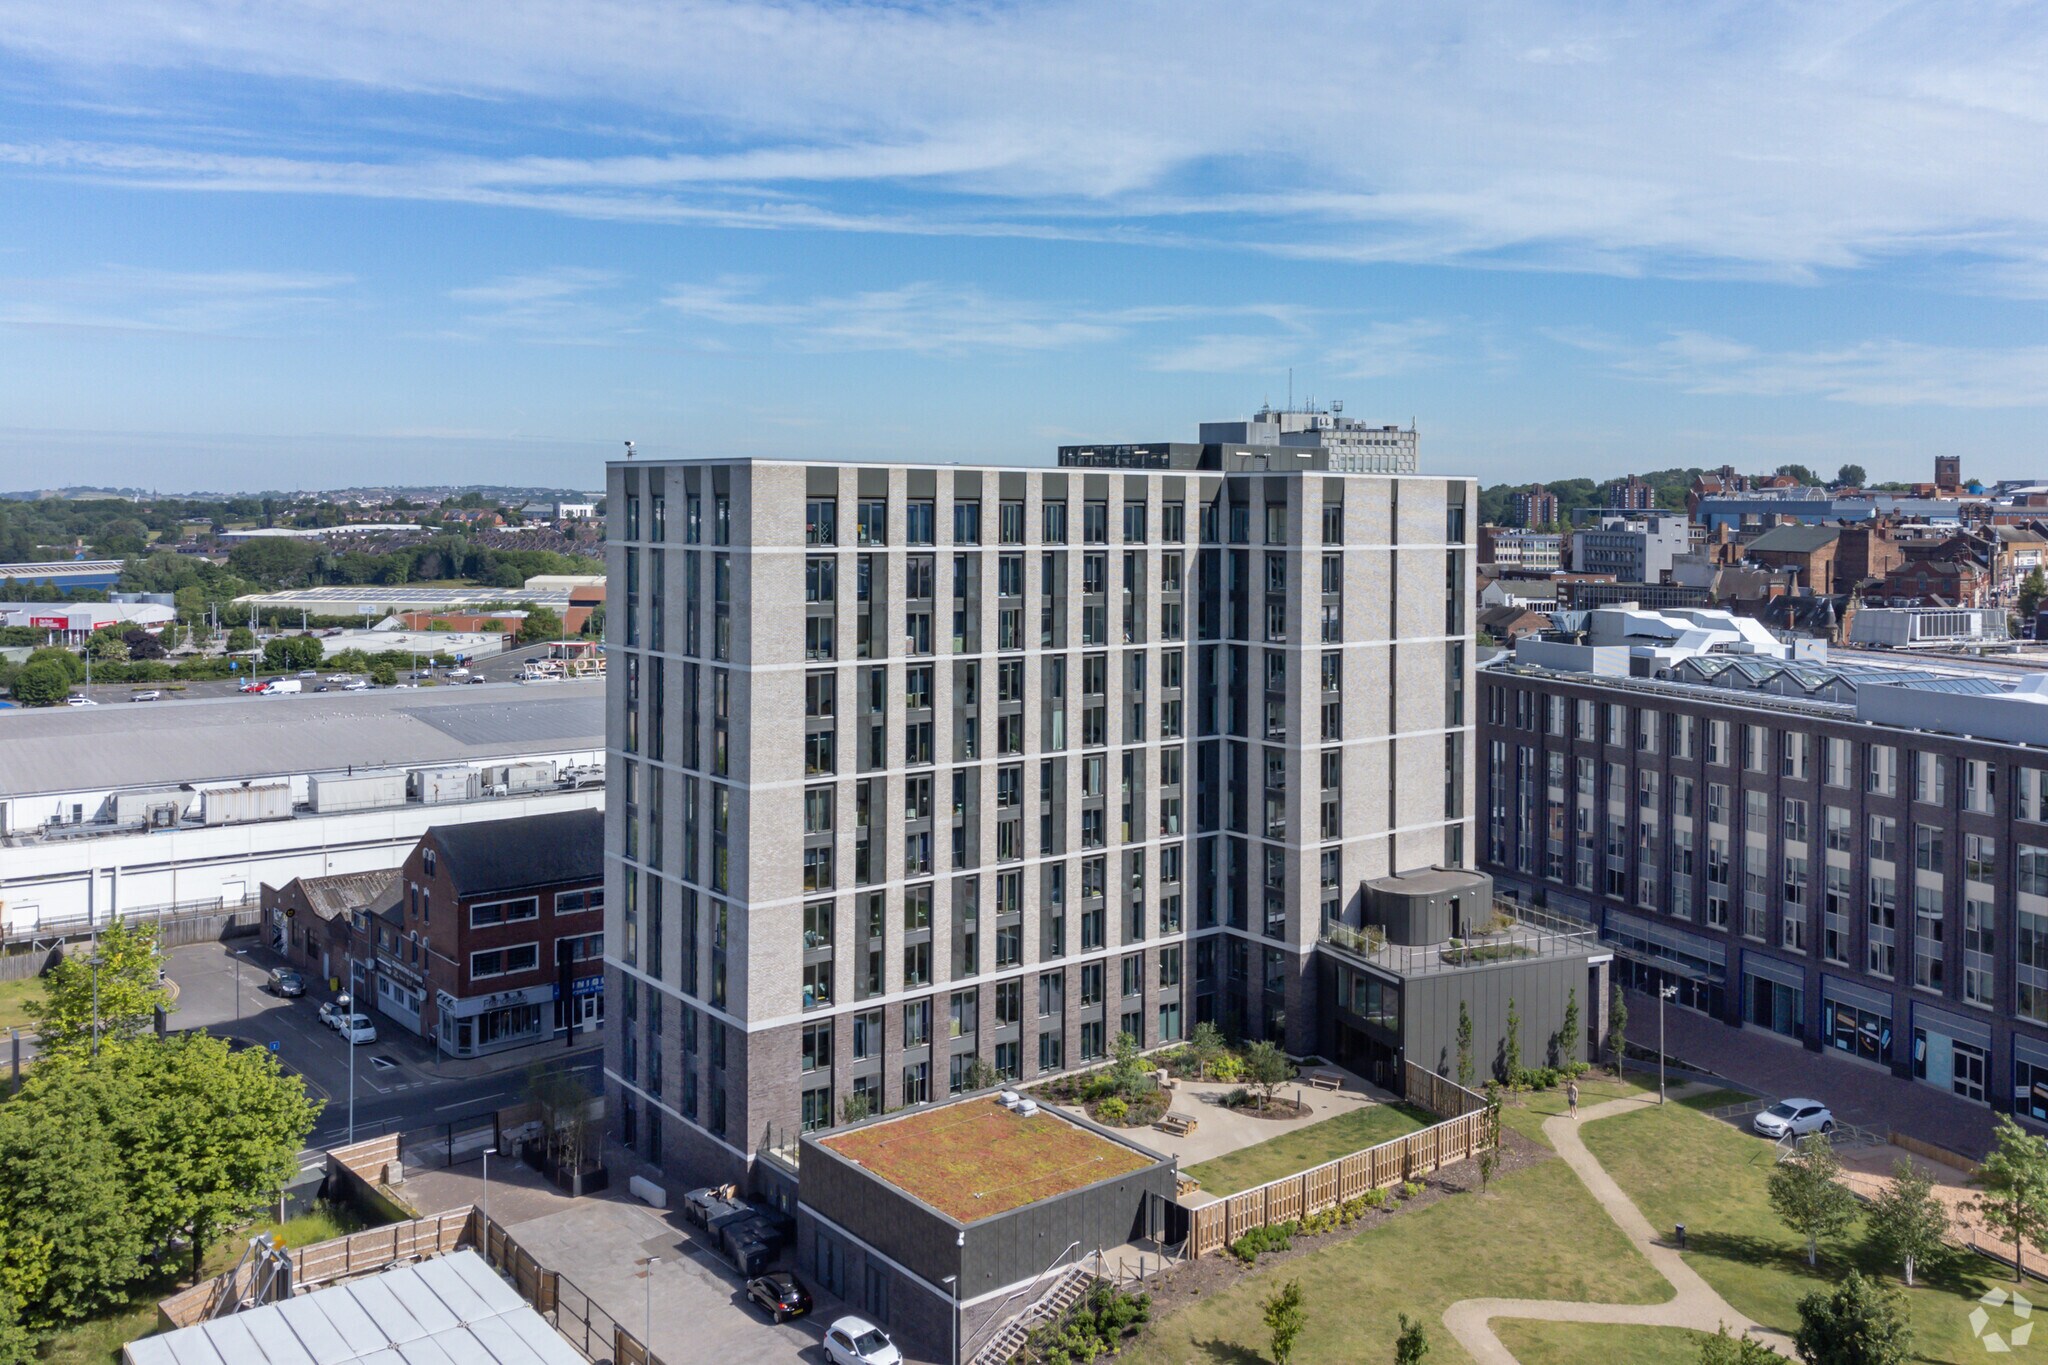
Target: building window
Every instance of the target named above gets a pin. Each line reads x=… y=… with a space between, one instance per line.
x=520 y=957
x=492 y=913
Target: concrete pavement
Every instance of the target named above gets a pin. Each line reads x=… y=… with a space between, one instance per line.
x=1694 y=1304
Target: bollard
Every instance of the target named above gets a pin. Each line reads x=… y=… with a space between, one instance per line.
x=1681 y=1236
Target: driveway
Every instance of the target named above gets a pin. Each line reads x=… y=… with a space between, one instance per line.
x=698 y=1305
x=1858 y=1092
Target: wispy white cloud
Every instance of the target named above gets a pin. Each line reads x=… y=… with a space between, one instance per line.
x=1719 y=137
x=561 y=306
x=1883 y=372
x=922 y=318
x=121 y=298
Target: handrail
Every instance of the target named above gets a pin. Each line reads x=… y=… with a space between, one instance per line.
x=996 y=1320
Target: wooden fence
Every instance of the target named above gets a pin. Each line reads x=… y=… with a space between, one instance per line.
x=1469 y=1131
x=342 y=1258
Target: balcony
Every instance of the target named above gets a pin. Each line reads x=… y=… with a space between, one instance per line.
x=1516 y=932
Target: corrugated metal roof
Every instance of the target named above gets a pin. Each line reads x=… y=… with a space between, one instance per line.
x=450 y=1309
x=230 y=738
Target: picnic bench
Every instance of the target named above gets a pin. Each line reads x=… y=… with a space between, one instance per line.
x=1326 y=1080
x=1177 y=1125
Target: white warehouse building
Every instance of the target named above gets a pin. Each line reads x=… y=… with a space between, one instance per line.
x=196 y=804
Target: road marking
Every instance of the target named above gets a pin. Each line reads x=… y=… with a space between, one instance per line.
x=474 y=1100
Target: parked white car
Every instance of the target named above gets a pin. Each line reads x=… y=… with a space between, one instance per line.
x=330 y=1014
x=151 y=695
x=1798 y=1117
x=357 y=1028
x=80 y=701
x=856 y=1341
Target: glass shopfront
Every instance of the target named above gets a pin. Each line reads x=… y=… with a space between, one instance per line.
x=1856 y=1021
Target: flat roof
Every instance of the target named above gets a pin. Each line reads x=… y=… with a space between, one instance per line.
x=451 y=1308
x=976 y=1159
x=228 y=738
x=397 y=597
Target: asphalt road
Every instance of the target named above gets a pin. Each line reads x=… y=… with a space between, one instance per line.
x=499 y=668
x=399 y=1083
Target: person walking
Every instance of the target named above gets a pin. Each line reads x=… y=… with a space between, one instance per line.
x=1571 y=1097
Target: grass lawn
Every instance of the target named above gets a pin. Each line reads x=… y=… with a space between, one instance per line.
x=1574 y=1343
x=99 y=1342
x=1680 y=1166
x=1525 y=1113
x=14 y=998
x=977 y=1159
x=1309 y=1146
x=1537 y=1234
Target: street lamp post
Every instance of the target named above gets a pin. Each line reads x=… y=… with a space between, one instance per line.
x=647 y=1322
x=96 y=961
x=1663 y=993
x=489 y=1152
x=952 y=1283
x=348 y=1034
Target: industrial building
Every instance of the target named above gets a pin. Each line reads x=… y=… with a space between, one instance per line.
x=130 y=809
x=1048 y=756
x=371 y=599
x=64 y=574
x=72 y=622
x=1850 y=854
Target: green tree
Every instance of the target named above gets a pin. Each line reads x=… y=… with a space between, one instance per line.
x=1806 y=1193
x=1800 y=472
x=1906 y=1223
x=1617 y=1027
x=1205 y=1045
x=593 y=624
x=72 y=1238
x=1464 y=1046
x=241 y=639
x=107 y=646
x=129 y=989
x=209 y=1134
x=1851 y=476
x=142 y=645
x=2014 y=1178
x=383 y=673
x=74 y=668
x=1571 y=1043
x=1512 y=1046
x=1723 y=1349
x=17 y=1343
x=1412 y=1344
x=1267 y=1068
x=1856 y=1322
x=41 y=682
x=1125 y=1070
x=982 y=1074
x=1285 y=1318
x=541 y=623
x=855 y=1107
x=2032 y=589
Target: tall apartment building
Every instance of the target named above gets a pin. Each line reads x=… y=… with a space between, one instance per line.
x=1631 y=494
x=1853 y=855
x=917 y=765
x=1534 y=508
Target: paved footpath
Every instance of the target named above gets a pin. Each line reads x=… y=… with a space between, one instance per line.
x=1694 y=1303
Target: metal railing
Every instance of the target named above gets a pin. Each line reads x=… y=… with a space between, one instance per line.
x=996 y=1321
x=1527 y=933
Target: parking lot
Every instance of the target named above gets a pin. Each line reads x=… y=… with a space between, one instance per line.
x=498 y=668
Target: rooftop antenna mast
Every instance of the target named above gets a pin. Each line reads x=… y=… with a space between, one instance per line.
x=1290 y=388
x=629 y=450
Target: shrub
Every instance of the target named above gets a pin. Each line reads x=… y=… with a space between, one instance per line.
x=1229 y=1067
x=1096 y=1326
x=1112 y=1110
x=1373 y=1199
x=1278 y=1237
x=1411 y=1189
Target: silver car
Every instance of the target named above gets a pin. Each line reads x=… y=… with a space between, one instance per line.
x=1797 y=1117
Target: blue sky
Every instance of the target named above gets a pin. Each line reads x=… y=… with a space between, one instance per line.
x=293 y=244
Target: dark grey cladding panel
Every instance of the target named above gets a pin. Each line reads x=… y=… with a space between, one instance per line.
x=821 y=481
x=967 y=483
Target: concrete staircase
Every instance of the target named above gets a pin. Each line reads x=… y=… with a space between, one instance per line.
x=1061 y=1295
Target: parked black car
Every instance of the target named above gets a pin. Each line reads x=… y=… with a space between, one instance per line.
x=780 y=1294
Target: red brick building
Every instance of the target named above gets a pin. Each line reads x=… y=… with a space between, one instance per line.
x=495 y=938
